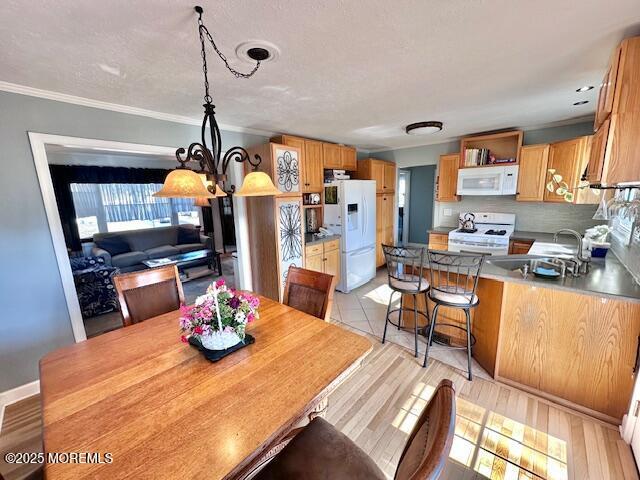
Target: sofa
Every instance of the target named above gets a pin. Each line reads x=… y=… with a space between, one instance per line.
x=94 y=286
x=128 y=249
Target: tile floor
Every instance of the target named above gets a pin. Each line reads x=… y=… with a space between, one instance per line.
x=365 y=308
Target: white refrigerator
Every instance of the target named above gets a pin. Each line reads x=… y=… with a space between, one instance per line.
x=351 y=213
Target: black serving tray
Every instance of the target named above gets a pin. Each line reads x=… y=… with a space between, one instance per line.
x=215 y=355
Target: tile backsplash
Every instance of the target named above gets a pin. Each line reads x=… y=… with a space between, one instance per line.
x=532 y=217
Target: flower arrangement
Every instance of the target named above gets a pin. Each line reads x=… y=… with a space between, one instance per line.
x=219 y=317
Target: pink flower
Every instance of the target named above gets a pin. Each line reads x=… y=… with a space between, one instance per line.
x=251 y=317
x=184 y=339
x=220 y=282
x=197 y=330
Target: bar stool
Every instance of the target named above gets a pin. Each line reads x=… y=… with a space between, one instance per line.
x=404 y=268
x=454 y=280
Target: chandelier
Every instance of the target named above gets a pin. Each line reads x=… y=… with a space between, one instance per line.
x=211 y=171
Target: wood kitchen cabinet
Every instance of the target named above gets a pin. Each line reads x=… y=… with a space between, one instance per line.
x=438 y=241
x=520 y=247
x=569 y=159
x=348 y=158
x=447 y=182
x=324 y=257
x=382 y=171
x=577 y=348
x=312 y=174
x=389 y=177
x=331 y=154
x=615 y=157
x=384 y=225
x=532 y=174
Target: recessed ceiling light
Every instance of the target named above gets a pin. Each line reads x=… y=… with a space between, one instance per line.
x=580 y=103
x=420 y=128
x=586 y=88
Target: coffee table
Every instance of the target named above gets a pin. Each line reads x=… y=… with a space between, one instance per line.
x=189 y=259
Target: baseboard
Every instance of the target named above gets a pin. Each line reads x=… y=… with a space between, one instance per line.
x=16 y=394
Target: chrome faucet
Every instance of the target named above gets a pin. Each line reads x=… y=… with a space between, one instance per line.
x=581 y=261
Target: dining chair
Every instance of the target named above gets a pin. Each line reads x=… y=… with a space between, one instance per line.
x=320 y=451
x=309 y=291
x=148 y=293
x=454 y=281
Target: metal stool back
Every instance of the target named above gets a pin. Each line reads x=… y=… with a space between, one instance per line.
x=454 y=281
x=405 y=268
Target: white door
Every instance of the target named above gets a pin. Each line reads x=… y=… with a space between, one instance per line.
x=369 y=204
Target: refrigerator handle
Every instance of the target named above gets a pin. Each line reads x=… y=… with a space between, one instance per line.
x=364 y=215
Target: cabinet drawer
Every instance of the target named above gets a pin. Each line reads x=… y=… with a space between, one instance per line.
x=438 y=246
x=438 y=238
x=332 y=245
x=315 y=249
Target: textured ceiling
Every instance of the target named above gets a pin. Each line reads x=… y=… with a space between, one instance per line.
x=349 y=71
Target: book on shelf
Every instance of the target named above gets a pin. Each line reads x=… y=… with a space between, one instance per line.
x=475 y=157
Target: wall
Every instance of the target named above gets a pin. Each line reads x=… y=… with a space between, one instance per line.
x=420 y=210
x=542 y=217
x=35 y=319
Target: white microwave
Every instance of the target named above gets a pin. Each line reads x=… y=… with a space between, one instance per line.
x=501 y=180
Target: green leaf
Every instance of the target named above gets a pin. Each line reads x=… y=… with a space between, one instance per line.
x=550 y=187
x=557 y=178
x=561 y=191
x=568 y=197
x=552 y=171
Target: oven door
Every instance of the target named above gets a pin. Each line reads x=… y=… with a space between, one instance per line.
x=477 y=247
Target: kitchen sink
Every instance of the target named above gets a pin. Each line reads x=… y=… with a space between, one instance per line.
x=528 y=263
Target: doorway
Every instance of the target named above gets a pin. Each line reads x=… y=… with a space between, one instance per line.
x=418 y=219
x=404 y=189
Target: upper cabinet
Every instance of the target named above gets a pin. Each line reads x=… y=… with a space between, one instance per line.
x=447 y=182
x=382 y=171
x=532 y=173
x=331 y=156
x=615 y=157
x=568 y=160
x=348 y=158
x=287 y=169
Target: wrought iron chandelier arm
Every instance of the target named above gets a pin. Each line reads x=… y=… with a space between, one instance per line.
x=240 y=155
x=196 y=153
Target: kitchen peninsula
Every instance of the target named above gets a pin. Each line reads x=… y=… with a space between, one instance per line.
x=573 y=340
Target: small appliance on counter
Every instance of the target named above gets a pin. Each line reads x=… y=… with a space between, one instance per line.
x=333 y=175
x=311 y=199
x=483 y=233
x=595 y=241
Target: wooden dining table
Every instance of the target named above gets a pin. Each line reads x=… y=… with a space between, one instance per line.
x=161 y=410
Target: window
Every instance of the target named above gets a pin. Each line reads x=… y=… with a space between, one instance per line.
x=114 y=207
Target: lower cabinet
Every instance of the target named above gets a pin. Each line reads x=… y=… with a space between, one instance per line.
x=438 y=241
x=324 y=257
x=519 y=247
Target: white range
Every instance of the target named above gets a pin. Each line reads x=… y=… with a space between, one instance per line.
x=490 y=234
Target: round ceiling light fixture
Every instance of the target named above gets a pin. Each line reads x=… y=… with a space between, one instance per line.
x=576 y=104
x=586 y=88
x=257 y=50
x=422 y=128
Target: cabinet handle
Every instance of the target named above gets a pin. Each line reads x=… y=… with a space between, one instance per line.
x=635 y=364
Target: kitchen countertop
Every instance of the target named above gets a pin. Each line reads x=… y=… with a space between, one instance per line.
x=607 y=277
x=311 y=239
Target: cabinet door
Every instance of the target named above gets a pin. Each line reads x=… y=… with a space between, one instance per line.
x=389 y=173
x=380 y=211
x=332 y=264
x=598 y=152
x=348 y=158
x=314 y=262
x=532 y=173
x=289 y=236
x=519 y=247
x=564 y=158
x=448 y=178
x=313 y=169
x=387 y=211
x=379 y=252
x=607 y=90
x=377 y=174
x=331 y=156
x=287 y=169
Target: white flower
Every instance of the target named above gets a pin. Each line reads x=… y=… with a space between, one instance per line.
x=240 y=317
x=202 y=298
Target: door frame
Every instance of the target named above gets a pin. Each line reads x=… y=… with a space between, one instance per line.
x=407 y=195
x=38 y=143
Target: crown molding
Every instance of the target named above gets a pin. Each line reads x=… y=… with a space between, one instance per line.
x=114 y=107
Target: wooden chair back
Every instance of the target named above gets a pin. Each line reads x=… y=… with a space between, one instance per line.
x=427 y=449
x=148 y=293
x=309 y=291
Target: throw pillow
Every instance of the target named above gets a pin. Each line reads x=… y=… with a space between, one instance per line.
x=115 y=245
x=188 y=235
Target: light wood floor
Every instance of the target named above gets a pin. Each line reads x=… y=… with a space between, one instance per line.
x=501 y=432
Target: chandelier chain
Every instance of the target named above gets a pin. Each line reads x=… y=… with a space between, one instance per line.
x=203 y=31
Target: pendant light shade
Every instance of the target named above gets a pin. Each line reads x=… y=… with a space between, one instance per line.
x=202 y=202
x=257 y=184
x=219 y=192
x=183 y=183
